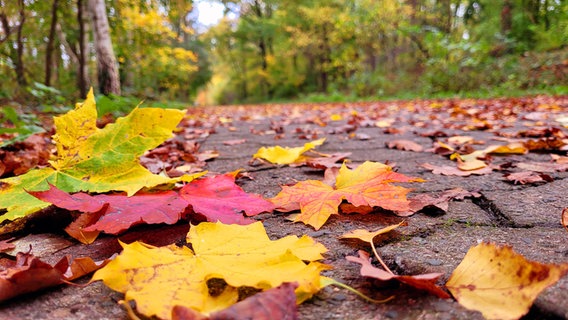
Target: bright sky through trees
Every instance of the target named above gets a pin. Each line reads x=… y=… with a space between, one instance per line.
x=209 y=12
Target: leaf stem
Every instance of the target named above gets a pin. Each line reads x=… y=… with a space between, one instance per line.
x=328 y=281
x=379 y=258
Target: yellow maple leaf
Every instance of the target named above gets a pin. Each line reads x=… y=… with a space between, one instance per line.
x=500 y=283
x=92 y=159
x=285 y=155
x=511 y=148
x=368 y=236
x=367 y=185
x=160 y=278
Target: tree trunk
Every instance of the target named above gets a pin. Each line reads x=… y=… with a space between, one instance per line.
x=19 y=61
x=506 y=17
x=107 y=67
x=50 y=44
x=83 y=67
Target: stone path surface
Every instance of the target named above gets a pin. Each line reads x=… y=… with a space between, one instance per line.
x=526 y=217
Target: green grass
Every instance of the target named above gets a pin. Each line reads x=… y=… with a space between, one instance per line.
x=480 y=94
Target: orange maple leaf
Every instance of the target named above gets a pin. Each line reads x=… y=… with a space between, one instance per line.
x=367 y=185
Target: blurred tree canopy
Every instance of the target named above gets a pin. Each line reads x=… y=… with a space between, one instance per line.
x=263 y=50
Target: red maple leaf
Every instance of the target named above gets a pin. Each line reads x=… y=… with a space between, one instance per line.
x=218 y=198
x=122 y=211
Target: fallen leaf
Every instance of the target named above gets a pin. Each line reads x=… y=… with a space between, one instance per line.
x=460 y=140
x=511 y=148
x=5 y=245
x=367 y=185
x=471 y=165
x=25 y=155
x=527 y=177
x=92 y=159
x=405 y=145
x=234 y=142
x=83 y=266
x=76 y=228
x=29 y=274
x=43 y=244
x=327 y=160
x=500 y=283
x=122 y=211
x=436 y=205
x=218 y=198
x=240 y=255
x=546 y=144
x=426 y=282
x=368 y=236
x=559 y=159
x=542 y=166
x=275 y=303
x=285 y=155
x=453 y=171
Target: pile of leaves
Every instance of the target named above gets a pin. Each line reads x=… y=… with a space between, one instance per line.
x=228 y=264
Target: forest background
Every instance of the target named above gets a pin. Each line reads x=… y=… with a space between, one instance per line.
x=52 y=51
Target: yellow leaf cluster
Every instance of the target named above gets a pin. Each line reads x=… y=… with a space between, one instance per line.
x=240 y=255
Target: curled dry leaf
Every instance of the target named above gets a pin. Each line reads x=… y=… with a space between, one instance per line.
x=528 y=177
x=542 y=166
x=426 y=282
x=405 y=145
x=548 y=144
x=453 y=171
x=29 y=274
x=559 y=159
x=500 y=283
x=5 y=245
x=436 y=205
x=327 y=160
x=275 y=303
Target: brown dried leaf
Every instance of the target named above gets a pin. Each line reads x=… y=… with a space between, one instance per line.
x=406 y=145
x=528 y=177
x=5 y=245
x=327 y=160
x=29 y=274
x=453 y=171
x=436 y=205
x=542 y=166
x=426 y=282
x=234 y=142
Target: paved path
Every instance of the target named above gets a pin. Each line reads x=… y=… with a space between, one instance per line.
x=527 y=217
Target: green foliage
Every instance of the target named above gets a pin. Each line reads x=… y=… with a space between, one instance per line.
x=23 y=125
x=273 y=49
x=343 y=50
x=120 y=106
